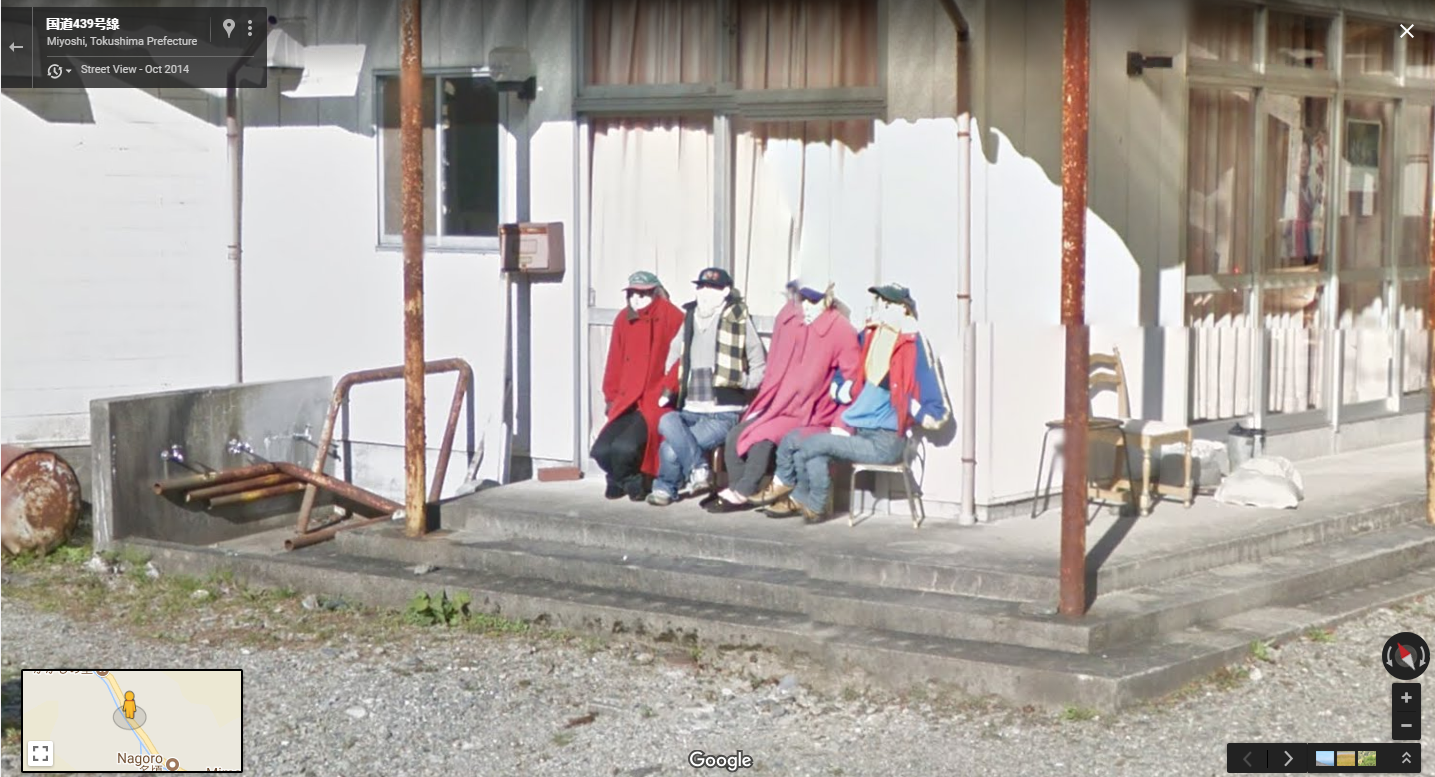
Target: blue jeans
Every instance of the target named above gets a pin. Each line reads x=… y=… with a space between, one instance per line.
x=687 y=437
x=809 y=461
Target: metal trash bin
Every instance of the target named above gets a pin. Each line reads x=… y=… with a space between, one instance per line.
x=1244 y=443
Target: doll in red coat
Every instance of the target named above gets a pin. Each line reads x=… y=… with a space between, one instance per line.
x=627 y=446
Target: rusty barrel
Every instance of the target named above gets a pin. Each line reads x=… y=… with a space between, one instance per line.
x=39 y=500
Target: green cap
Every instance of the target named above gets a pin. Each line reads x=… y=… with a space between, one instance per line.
x=642 y=280
x=895 y=292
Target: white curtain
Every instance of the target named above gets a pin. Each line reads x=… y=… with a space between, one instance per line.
x=652 y=203
x=806 y=200
x=633 y=42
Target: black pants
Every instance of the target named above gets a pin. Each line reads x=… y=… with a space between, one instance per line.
x=744 y=474
x=620 y=447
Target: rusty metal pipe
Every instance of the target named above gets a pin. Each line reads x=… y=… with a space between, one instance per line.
x=1075 y=120
x=411 y=159
x=340 y=489
x=340 y=401
x=224 y=489
x=215 y=478
x=325 y=534
x=1430 y=366
x=256 y=494
x=460 y=390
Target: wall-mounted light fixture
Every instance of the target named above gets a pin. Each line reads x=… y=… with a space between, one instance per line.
x=511 y=70
x=1136 y=63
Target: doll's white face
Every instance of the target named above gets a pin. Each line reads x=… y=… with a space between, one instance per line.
x=639 y=300
x=811 y=310
x=710 y=299
x=890 y=314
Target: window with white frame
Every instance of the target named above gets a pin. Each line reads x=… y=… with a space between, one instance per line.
x=1307 y=198
x=738 y=133
x=461 y=124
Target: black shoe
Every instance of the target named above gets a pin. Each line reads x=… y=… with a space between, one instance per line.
x=722 y=507
x=614 y=491
x=635 y=489
x=709 y=501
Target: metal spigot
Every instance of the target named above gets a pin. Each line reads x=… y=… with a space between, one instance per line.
x=306 y=435
x=173 y=453
x=236 y=446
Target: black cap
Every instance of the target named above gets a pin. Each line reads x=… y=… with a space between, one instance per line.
x=716 y=277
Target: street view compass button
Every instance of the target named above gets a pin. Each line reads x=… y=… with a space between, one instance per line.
x=1405 y=656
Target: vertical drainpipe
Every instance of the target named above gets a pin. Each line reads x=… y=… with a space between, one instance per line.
x=968 y=416
x=411 y=156
x=236 y=203
x=1430 y=382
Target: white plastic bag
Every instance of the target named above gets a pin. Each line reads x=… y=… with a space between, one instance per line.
x=1268 y=481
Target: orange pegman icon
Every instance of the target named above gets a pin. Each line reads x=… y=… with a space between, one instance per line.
x=129 y=704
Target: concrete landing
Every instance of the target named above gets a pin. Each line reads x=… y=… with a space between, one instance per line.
x=1181 y=592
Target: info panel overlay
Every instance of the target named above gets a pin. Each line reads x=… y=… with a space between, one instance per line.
x=133 y=47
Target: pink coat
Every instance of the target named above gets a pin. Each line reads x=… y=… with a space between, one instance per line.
x=794 y=390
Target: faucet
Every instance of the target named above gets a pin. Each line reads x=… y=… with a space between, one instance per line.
x=173 y=453
x=236 y=445
x=306 y=435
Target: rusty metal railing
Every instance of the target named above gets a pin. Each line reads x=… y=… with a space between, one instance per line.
x=266 y=480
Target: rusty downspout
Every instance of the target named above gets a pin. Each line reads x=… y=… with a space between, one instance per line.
x=1074 y=129
x=411 y=158
x=1430 y=366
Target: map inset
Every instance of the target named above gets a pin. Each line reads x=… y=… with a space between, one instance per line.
x=132 y=720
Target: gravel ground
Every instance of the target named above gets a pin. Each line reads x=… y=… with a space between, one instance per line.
x=446 y=702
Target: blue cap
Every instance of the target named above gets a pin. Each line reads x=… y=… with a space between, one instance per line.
x=810 y=294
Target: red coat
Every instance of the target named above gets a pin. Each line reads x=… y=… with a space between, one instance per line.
x=636 y=358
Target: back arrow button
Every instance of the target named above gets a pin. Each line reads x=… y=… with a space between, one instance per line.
x=14 y=46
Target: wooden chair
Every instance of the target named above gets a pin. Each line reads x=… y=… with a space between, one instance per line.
x=1150 y=436
x=1098 y=430
x=911 y=450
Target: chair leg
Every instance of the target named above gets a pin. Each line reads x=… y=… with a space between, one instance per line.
x=911 y=502
x=1146 y=503
x=1040 y=466
x=852 y=498
x=1190 y=482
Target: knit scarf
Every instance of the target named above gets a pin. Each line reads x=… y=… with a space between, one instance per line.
x=730 y=366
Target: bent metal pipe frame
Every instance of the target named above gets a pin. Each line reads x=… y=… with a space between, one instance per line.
x=463 y=388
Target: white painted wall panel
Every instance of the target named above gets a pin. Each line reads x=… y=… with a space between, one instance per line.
x=112 y=243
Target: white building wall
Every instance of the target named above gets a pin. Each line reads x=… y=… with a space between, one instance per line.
x=112 y=249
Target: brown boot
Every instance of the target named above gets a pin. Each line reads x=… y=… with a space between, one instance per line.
x=808 y=514
x=783 y=508
x=771 y=495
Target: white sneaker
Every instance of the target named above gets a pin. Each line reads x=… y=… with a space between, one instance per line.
x=701 y=480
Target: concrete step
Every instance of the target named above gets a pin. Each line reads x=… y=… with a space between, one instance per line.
x=1118 y=618
x=1014 y=671
x=939 y=558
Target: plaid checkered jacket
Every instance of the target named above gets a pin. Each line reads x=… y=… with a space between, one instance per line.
x=730 y=365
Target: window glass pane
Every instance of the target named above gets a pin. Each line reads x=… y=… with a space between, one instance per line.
x=634 y=42
x=1414 y=171
x=1365 y=172
x=1369 y=47
x=393 y=198
x=1219 y=161
x=470 y=158
x=1222 y=33
x=806 y=44
x=1293 y=40
x=1420 y=55
x=1366 y=372
x=1415 y=343
x=805 y=199
x=652 y=203
x=1297 y=171
x=1221 y=347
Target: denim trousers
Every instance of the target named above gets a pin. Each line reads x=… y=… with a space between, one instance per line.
x=687 y=437
x=804 y=462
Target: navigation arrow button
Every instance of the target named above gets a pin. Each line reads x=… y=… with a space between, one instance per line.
x=1247 y=759
x=14 y=46
x=1289 y=758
